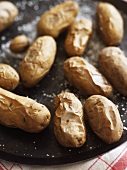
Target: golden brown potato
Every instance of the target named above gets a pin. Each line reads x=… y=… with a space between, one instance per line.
x=104 y=118
x=69 y=127
x=113 y=65
x=22 y=112
x=19 y=44
x=9 y=78
x=110 y=23
x=8 y=13
x=86 y=77
x=57 y=19
x=78 y=37
x=38 y=60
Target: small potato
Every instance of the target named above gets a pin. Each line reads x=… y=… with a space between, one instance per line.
x=57 y=19
x=8 y=13
x=104 y=118
x=113 y=65
x=78 y=37
x=86 y=77
x=38 y=60
x=110 y=23
x=9 y=78
x=22 y=112
x=19 y=44
x=69 y=127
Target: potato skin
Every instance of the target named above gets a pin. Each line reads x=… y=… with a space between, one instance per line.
x=69 y=127
x=57 y=19
x=110 y=23
x=22 y=112
x=8 y=13
x=113 y=65
x=19 y=44
x=9 y=78
x=104 y=118
x=78 y=37
x=38 y=60
x=85 y=77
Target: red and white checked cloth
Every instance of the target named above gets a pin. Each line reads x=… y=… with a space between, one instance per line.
x=114 y=160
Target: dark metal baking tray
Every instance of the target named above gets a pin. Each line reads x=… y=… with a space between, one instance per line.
x=42 y=148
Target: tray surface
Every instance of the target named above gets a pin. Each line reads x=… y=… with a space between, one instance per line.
x=42 y=148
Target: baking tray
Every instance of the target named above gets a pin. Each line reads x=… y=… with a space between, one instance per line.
x=42 y=148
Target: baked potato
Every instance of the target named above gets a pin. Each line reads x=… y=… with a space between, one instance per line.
x=57 y=19
x=113 y=65
x=8 y=13
x=104 y=118
x=85 y=77
x=69 y=126
x=78 y=37
x=38 y=60
x=110 y=23
x=22 y=112
x=9 y=78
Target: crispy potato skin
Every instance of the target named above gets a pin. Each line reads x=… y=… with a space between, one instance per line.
x=9 y=78
x=19 y=44
x=113 y=65
x=8 y=13
x=78 y=37
x=69 y=127
x=57 y=19
x=110 y=23
x=22 y=112
x=104 y=118
x=38 y=60
x=86 y=77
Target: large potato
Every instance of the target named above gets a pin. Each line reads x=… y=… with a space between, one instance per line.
x=113 y=65
x=22 y=112
x=69 y=125
x=8 y=13
x=110 y=23
x=57 y=19
x=78 y=37
x=9 y=78
x=104 y=118
x=86 y=77
x=38 y=60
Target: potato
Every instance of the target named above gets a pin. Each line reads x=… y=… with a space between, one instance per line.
x=110 y=23
x=22 y=112
x=19 y=44
x=113 y=65
x=9 y=78
x=78 y=36
x=8 y=13
x=57 y=19
x=104 y=118
x=85 y=77
x=69 y=127
x=38 y=60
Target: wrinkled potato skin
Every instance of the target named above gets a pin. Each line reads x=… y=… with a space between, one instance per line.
x=19 y=44
x=78 y=37
x=8 y=13
x=113 y=65
x=85 y=77
x=69 y=127
x=110 y=23
x=104 y=118
x=9 y=78
x=57 y=19
x=38 y=60
x=22 y=112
